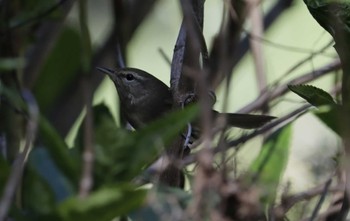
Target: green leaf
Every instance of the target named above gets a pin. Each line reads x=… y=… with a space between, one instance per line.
x=103 y=205
x=166 y=198
x=112 y=147
x=37 y=195
x=315 y=96
x=13 y=97
x=121 y=155
x=330 y=117
x=12 y=109
x=43 y=164
x=58 y=150
x=48 y=136
x=8 y=64
x=59 y=70
x=151 y=140
x=269 y=166
x=332 y=15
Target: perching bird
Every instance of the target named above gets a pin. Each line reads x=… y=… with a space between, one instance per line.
x=144 y=98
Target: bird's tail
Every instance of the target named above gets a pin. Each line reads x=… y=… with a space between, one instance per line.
x=246 y=121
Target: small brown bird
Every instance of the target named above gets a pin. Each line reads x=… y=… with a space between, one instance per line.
x=144 y=98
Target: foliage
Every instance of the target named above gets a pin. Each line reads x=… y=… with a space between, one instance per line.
x=315 y=96
x=269 y=166
x=54 y=60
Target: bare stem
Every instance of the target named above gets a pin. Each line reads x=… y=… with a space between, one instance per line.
x=320 y=202
x=256 y=46
x=86 y=181
x=19 y=162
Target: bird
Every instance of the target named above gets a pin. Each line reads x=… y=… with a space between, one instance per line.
x=144 y=98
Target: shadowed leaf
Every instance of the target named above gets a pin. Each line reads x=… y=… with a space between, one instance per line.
x=103 y=205
x=166 y=198
x=332 y=15
x=269 y=166
x=330 y=117
x=315 y=96
x=120 y=154
x=8 y=64
x=58 y=150
x=59 y=69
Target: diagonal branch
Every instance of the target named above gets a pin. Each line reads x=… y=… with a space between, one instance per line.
x=275 y=93
x=241 y=140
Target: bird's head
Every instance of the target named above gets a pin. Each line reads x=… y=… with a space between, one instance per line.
x=135 y=85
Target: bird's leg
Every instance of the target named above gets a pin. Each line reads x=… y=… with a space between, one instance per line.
x=190 y=98
x=187 y=137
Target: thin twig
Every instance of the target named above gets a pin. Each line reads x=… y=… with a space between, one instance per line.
x=270 y=95
x=289 y=201
x=86 y=181
x=256 y=46
x=289 y=47
x=19 y=163
x=234 y=144
x=164 y=56
x=226 y=43
x=282 y=120
x=327 y=213
x=229 y=30
x=279 y=91
x=320 y=202
x=85 y=37
x=302 y=62
x=271 y=16
x=119 y=55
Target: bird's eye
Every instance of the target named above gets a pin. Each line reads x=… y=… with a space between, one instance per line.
x=129 y=77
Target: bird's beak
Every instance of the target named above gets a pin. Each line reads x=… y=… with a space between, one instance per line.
x=107 y=71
